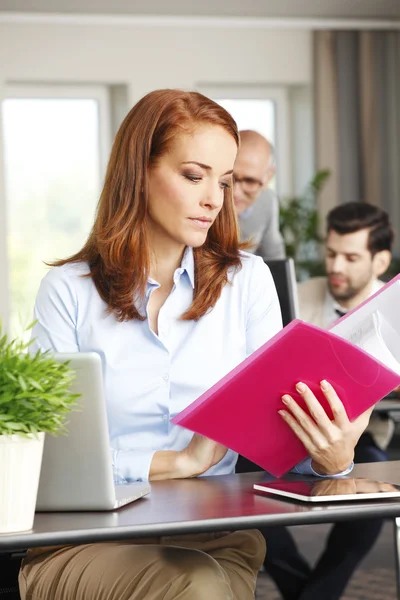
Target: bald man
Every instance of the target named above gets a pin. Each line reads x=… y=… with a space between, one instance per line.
x=257 y=206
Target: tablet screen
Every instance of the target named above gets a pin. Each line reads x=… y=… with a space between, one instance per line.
x=328 y=490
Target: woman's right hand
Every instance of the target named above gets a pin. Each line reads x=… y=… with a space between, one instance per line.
x=200 y=455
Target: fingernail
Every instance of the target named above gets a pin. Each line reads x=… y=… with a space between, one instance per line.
x=324 y=385
x=282 y=413
x=285 y=400
x=300 y=387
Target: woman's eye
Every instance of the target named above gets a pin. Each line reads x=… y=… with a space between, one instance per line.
x=194 y=178
x=224 y=185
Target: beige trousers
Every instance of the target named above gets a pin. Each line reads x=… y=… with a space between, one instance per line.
x=207 y=566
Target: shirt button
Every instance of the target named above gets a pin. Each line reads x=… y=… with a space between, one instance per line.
x=165 y=417
x=165 y=377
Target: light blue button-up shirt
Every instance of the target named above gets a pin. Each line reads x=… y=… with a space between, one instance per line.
x=150 y=378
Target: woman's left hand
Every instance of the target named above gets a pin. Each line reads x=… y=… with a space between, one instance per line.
x=329 y=443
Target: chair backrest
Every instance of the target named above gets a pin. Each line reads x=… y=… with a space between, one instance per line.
x=284 y=276
x=244 y=465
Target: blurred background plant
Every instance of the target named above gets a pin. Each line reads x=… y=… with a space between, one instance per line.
x=300 y=227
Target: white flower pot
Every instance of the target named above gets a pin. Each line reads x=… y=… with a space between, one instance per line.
x=20 y=462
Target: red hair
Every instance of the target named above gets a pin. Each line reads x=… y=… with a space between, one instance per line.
x=117 y=249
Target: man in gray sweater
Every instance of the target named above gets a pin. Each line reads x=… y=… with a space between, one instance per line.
x=257 y=206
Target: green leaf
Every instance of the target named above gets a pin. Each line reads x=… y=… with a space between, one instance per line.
x=35 y=390
x=299 y=221
x=15 y=426
x=22 y=383
x=35 y=384
x=30 y=326
x=6 y=398
x=10 y=376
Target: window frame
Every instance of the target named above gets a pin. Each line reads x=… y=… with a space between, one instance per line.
x=99 y=93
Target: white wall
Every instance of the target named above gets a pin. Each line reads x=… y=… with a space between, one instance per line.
x=302 y=137
x=145 y=58
x=151 y=57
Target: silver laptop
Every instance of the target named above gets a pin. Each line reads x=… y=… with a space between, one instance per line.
x=76 y=471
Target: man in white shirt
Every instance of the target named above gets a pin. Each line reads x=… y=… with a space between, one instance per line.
x=358 y=252
x=257 y=205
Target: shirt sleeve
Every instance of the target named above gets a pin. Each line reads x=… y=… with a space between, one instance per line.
x=131 y=465
x=305 y=468
x=272 y=245
x=264 y=317
x=55 y=313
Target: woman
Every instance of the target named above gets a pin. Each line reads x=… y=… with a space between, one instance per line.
x=163 y=293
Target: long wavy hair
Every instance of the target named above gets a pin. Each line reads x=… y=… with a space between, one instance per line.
x=117 y=249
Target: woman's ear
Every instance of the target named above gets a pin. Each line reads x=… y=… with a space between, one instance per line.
x=381 y=262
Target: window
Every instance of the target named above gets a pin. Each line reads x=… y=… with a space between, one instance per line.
x=56 y=141
x=258 y=115
x=263 y=109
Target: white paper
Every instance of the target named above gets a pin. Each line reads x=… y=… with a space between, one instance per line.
x=376 y=336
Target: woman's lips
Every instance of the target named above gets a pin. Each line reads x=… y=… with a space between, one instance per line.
x=202 y=223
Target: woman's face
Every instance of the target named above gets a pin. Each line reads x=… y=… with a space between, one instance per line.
x=186 y=186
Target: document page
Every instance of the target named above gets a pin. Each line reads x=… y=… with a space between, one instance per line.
x=376 y=336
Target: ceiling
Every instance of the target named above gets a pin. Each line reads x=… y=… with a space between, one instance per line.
x=336 y=9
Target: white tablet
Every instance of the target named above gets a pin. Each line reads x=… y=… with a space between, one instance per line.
x=330 y=490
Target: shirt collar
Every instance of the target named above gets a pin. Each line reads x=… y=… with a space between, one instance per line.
x=187 y=265
x=246 y=213
x=331 y=305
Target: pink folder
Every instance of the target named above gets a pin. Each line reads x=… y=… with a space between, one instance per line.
x=241 y=410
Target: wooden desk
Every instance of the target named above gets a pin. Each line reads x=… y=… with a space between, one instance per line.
x=203 y=504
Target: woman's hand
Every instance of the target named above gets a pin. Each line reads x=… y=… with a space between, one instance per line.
x=200 y=455
x=329 y=443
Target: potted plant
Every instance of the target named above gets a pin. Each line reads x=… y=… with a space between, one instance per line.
x=34 y=400
x=299 y=225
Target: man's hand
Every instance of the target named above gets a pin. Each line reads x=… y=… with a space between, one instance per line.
x=329 y=443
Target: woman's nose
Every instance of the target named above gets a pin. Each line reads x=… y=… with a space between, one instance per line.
x=214 y=196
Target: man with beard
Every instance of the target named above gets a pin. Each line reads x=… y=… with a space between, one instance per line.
x=256 y=204
x=358 y=251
